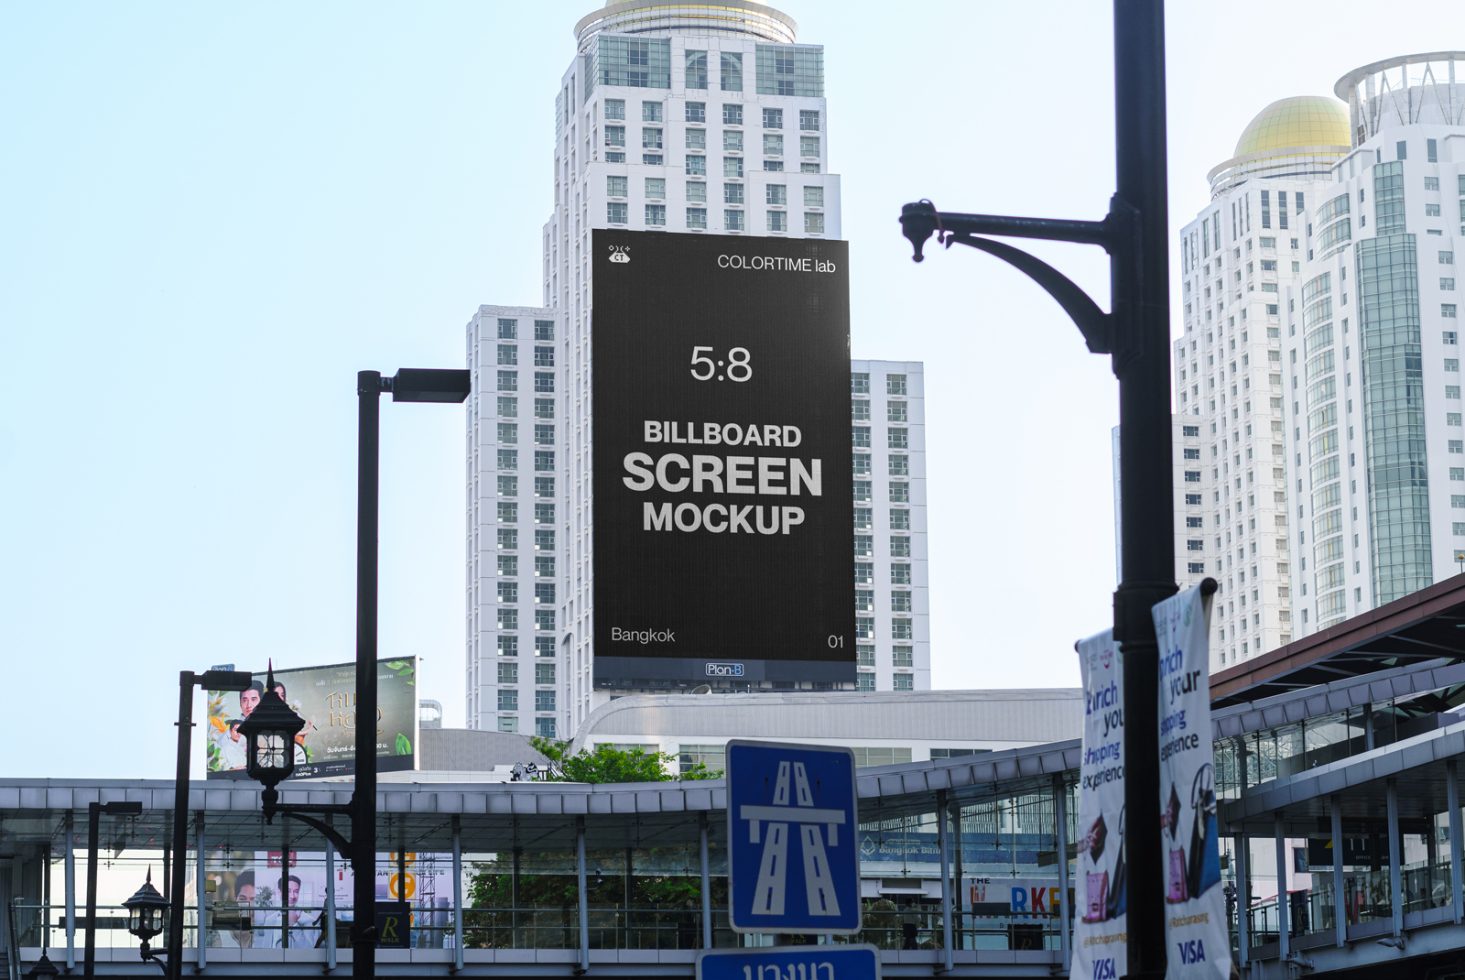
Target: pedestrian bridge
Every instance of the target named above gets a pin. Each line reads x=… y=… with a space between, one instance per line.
x=1340 y=820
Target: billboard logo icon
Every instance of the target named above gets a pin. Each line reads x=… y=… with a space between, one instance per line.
x=813 y=823
x=724 y=670
x=620 y=254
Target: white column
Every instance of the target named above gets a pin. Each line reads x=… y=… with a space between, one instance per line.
x=1242 y=851
x=1396 y=877
x=330 y=902
x=1457 y=852
x=584 y=898
x=1284 y=941
x=1340 y=903
x=1060 y=813
x=943 y=843
x=457 y=824
x=706 y=881
x=200 y=880
x=71 y=892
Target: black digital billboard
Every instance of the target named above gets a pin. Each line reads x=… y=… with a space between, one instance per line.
x=723 y=515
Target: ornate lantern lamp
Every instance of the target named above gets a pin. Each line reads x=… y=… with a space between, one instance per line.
x=146 y=910
x=270 y=732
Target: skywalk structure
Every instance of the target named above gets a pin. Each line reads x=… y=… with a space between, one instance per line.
x=1336 y=767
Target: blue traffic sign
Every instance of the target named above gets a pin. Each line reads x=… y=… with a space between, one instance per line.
x=793 y=849
x=811 y=962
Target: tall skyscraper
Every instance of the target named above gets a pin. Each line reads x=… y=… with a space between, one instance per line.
x=1317 y=378
x=701 y=119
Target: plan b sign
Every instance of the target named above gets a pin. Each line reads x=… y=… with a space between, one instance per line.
x=793 y=853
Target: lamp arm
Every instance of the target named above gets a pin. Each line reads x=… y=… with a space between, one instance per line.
x=1095 y=325
x=304 y=815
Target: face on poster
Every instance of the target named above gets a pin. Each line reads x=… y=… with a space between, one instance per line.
x=326 y=698
x=723 y=507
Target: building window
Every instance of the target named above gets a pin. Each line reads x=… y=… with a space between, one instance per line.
x=900 y=493
x=651 y=112
x=809 y=120
x=655 y=187
x=508 y=673
x=508 y=486
x=900 y=574
x=813 y=222
x=508 y=700
x=544 y=408
x=615 y=136
x=1196 y=567
x=881 y=756
x=790 y=69
x=544 y=514
x=508 y=354
x=508 y=723
x=778 y=221
x=808 y=146
x=865 y=682
x=696 y=74
x=544 y=435
x=1447 y=310
x=544 y=566
x=615 y=108
x=544 y=727
x=508 y=329
x=731 y=71
x=1192 y=476
x=696 y=165
x=508 y=406
x=696 y=217
x=732 y=167
x=813 y=197
x=895 y=385
x=544 y=646
x=544 y=673
x=904 y=682
x=616 y=212
x=898 y=439
x=651 y=138
x=859 y=383
x=544 y=620
x=544 y=382
x=899 y=465
x=656 y=214
x=732 y=193
x=544 y=357
x=772 y=118
x=543 y=460
x=508 y=591
x=508 y=381
x=903 y=656
x=773 y=144
x=732 y=114
x=697 y=111
x=776 y=194
x=732 y=220
x=508 y=565
x=900 y=546
x=544 y=486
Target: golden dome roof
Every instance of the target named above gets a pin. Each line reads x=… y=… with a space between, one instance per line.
x=1305 y=120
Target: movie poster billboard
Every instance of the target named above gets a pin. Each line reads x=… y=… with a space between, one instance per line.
x=326 y=698
x=723 y=509
x=1101 y=929
x=1196 y=933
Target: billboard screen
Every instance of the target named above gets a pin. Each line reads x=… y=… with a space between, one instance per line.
x=723 y=515
x=326 y=698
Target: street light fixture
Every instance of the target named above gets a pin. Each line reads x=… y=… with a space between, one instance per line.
x=94 y=811
x=269 y=732
x=270 y=759
x=1136 y=332
x=209 y=680
x=146 y=910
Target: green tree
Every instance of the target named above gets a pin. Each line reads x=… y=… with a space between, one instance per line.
x=547 y=901
x=608 y=764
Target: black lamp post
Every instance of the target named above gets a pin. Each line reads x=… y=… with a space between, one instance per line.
x=210 y=680
x=146 y=910
x=1136 y=332
x=94 y=811
x=272 y=760
x=43 y=968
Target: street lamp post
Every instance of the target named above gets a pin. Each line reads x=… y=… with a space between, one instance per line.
x=94 y=811
x=209 y=680
x=1136 y=332
x=441 y=386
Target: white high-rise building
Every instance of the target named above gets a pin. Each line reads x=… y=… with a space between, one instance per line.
x=1317 y=378
x=706 y=118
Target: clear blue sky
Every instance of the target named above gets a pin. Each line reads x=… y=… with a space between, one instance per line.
x=214 y=214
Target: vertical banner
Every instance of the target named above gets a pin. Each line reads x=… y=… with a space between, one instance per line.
x=1100 y=928
x=1198 y=944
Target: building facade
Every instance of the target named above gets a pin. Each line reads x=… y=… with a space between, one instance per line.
x=1318 y=363
x=710 y=120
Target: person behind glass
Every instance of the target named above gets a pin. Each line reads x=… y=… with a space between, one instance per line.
x=237 y=918
x=301 y=935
